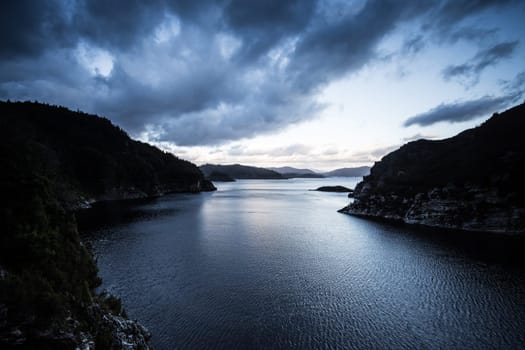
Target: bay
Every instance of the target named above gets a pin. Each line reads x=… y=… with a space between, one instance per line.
x=271 y=264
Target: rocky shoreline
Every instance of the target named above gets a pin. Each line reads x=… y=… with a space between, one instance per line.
x=474 y=209
x=76 y=201
x=57 y=161
x=472 y=181
x=107 y=330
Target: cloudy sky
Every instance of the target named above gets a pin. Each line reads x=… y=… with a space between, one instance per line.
x=319 y=84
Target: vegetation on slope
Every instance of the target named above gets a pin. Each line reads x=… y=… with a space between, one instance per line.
x=237 y=171
x=89 y=156
x=473 y=180
x=50 y=158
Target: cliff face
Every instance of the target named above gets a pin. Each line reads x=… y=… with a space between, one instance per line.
x=472 y=181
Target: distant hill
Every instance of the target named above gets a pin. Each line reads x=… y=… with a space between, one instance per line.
x=472 y=181
x=218 y=176
x=237 y=171
x=290 y=173
x=349 y=172
x=291 y=170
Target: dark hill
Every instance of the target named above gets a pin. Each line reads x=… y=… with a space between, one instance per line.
x=472 y=181
x=90 y=157
x=220 y=177
x=290 y=173
x=237 y=171
x=52 y=159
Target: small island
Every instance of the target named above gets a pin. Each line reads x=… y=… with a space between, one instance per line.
x=338 y=188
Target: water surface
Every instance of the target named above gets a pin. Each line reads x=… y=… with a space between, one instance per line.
x=269 y=264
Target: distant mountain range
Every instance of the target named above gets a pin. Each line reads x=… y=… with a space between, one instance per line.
x=290 y=170
x=216 y=172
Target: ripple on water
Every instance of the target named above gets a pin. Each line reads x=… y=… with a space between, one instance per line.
x=272 y=265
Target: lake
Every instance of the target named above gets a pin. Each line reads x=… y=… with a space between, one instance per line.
x=270 y=264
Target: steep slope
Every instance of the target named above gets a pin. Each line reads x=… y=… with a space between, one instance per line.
x=472 y=181
x=90 y=158
x=237 y=171
x=52 y=159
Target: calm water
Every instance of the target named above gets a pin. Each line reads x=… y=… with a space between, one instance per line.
x=269 y=264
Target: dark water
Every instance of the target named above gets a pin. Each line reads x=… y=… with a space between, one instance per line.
x=269 y=264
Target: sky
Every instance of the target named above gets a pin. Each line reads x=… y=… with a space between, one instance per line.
x=307 y=83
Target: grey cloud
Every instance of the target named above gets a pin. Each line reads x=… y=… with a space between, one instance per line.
x=474 y=34
x=516 y=86
x=291 y=150
x=455 y=11
x=27 y=28
x=116 y=23
x=449 y=22
x=456 y=112
x=459 y=111
x=262 y=23
x=186 y=90
x=215 y=126
x=350 y=42
x=483 y=59
x=413 y=44
x=297 y=149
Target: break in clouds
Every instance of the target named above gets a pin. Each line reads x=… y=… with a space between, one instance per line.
x=224 y=70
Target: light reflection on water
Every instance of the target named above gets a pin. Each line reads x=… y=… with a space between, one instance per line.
x=269 y=264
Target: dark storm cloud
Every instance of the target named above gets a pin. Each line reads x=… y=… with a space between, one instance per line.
x=452 y=12
x=483 y=59
x=202 y=72
x=351 y=42
x=116 y=23
x=449 y=22
x=28 y=28
x=262 y=23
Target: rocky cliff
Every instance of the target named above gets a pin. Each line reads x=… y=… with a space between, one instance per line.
x=472 y=181
x=54 y=160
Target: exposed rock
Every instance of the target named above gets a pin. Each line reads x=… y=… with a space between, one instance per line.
x=106 y=331
x=53 y=160
x=473 y=181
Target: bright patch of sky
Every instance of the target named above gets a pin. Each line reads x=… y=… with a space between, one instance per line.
x=97 y=61
x=365 y=110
